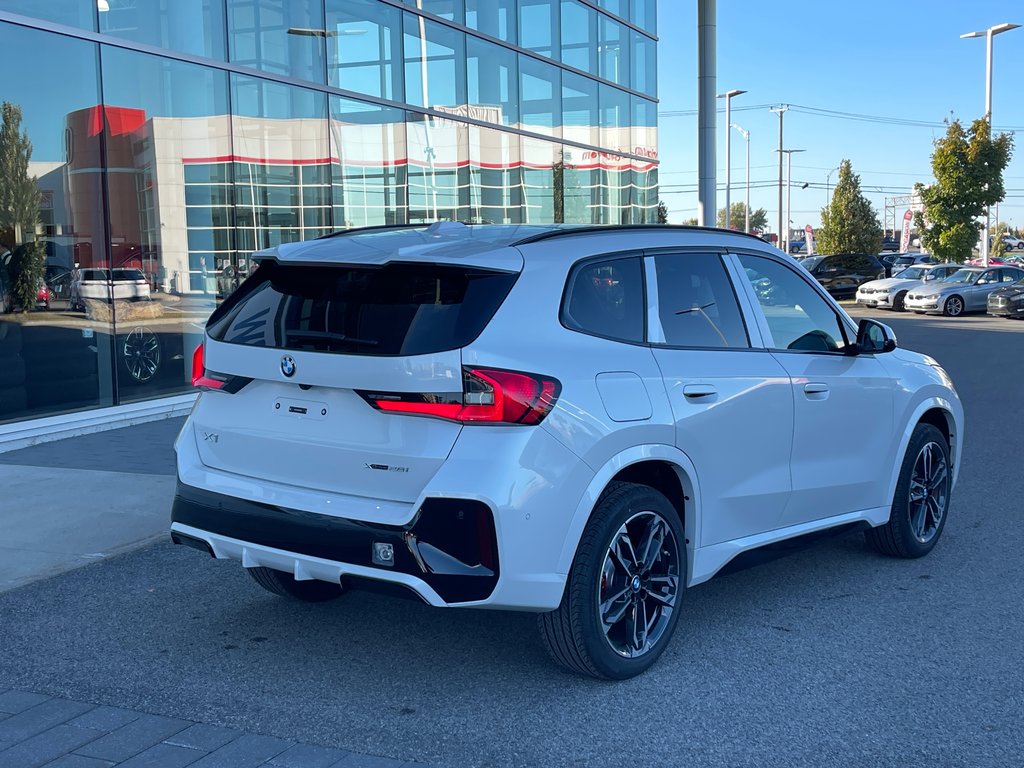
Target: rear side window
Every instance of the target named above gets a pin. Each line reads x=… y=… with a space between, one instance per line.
x=606 y=298
x=696 y=303
x=398 y=309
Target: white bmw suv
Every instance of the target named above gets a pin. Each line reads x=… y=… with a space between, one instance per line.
x=580 y=422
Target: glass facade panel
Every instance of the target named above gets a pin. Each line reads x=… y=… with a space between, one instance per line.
x=74 y=13
x=618 y=7
x=172 y=116
x=286 y=37
x=539 y=26
x=614 y=118
x=364 y=44
x=492 y=83
x=644 y=13
x=453 y=10
x=369 y=164
x=55 y=349
x=580 y=114
x=438 y=169
x=496 y=194
x=435 y=71
x=188 y=26
x=579 y=36
x=496 y=18
x=149 y=203
x=540 y=91
x=643 y=54
x=613 y=59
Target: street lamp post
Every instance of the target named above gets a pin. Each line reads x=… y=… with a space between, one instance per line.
x=746 y=204
x=988 y=34
x=828 y=185
x=789 y=189
x=728 y=156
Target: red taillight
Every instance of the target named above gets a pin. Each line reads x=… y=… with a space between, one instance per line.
x=488 y=396
x=199 y=377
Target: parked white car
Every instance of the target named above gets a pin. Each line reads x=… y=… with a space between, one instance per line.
x=121 y=283
x=580 y=422
x=1012 y=243
x=891 y=292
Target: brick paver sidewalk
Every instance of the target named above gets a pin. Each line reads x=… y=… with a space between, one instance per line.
x=38 y=730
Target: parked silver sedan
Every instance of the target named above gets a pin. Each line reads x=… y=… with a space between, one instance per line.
x=966 y=290
x=891 y=292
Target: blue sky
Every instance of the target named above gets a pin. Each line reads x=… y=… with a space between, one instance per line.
x=899 y=58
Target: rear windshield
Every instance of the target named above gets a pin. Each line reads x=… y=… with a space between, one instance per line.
x=128 y=274
x=398 y=309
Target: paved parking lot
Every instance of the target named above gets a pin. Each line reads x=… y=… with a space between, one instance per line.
x=834 y=656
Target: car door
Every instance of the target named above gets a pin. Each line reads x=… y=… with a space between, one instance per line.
x=977 y=294
x=843 y=446
x=731 y=401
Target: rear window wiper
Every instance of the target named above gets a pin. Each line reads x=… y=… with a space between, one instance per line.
x=329 y=336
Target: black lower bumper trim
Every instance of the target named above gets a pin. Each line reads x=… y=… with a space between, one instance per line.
x=450 y=545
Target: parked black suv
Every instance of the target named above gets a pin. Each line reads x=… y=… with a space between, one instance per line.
x=842 y=273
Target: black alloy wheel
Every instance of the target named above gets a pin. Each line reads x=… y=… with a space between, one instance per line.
x=140 y=354
x=621 y=601
x=921 y=504
x=899 y=304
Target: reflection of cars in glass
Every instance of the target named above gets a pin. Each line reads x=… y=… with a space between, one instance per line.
x=966 y=290
x=1007 y=301
x=891 y=292
x=842 y=273
x=123 y=283
x=370 y=413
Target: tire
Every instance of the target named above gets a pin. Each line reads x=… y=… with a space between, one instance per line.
x=285 y=585
x=574 y=634
x=954 y=306
x=912 y=531
x=899 y=303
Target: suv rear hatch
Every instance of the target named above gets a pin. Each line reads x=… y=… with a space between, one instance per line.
x=304 y=355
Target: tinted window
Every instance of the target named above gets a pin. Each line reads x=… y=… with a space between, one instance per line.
x=606 y=298
x=400 y=309
x=696 y=303
x=798 y=317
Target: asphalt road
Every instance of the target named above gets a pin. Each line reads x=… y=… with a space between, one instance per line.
x=834 y=656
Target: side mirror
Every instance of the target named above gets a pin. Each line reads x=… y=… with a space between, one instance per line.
x=982 y=282
x=873 y=338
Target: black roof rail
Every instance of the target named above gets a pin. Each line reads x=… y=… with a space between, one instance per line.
x=588 y=229
x=370 y=228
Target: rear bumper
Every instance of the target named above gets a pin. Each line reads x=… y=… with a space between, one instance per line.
x=446 y=555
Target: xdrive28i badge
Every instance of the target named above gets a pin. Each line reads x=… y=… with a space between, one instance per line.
x=288 y=366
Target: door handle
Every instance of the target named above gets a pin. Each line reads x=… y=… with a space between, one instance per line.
x=816 y=388
x=693 y=391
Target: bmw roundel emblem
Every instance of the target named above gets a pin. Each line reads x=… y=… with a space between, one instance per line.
x=288 y=366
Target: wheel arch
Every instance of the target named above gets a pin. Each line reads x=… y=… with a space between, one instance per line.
x=662 y=467
x=943 y=415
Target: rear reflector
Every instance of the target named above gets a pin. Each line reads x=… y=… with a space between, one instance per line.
x=488 y=395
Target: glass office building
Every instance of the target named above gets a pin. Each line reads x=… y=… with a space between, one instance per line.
x=148 y=147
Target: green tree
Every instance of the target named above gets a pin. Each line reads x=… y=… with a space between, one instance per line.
x=738 y=217
x=691 y=222
x=19 y=209
x=662 y=212
x=998 y=248
x=849 y=223
x=968 y=167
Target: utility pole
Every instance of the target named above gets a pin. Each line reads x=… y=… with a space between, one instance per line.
x=706 y=117
x=781 y=110
x=789 y=187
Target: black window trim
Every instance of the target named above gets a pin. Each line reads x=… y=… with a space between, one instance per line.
x=845 y=328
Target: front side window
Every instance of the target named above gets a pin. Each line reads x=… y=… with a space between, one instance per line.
x=963 y=277
x=696 y=304
x=606 y=298
x=798 y=317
